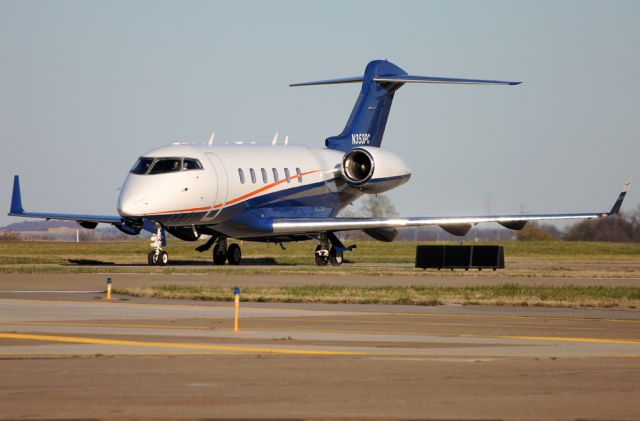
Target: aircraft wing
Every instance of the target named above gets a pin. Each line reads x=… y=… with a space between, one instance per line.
x=454 y=225
x=86 y=221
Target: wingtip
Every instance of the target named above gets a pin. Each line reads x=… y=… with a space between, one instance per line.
x=618 y=203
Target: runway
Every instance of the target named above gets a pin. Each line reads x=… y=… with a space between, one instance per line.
x=75 y=355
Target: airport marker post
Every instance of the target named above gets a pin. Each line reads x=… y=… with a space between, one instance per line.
x=108 y=288
x=236 y=299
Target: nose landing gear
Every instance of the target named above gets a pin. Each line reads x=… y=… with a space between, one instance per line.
x=158 y=257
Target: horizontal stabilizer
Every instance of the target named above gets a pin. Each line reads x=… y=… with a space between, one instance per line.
x=433 y=79
x=409 y=79
x=354 y=79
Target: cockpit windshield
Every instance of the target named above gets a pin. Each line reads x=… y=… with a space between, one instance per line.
x=165 y=165
x=142 y=166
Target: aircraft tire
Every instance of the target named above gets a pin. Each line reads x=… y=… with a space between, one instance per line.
x=219 y=257
x=320 y=260
x=159 y=259
x=335 y=257
x=234 y=254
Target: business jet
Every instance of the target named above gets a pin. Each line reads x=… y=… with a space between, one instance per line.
x=279 y=192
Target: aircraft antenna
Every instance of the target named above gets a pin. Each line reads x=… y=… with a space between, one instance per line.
x=286 y=140
x=213 y=134
x=275 y=139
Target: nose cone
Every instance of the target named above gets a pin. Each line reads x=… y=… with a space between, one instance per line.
x=131 y=201
x=130 y=208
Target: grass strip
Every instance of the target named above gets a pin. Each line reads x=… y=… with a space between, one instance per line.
x=504 y=295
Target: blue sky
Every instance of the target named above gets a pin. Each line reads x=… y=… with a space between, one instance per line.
x=87 y=87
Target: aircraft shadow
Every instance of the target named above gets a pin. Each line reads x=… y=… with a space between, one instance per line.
x=249 y=261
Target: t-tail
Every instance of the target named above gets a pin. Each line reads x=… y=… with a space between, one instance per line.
x=380 y=82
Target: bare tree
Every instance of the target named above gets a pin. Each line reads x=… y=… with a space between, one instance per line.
x=377 y=205
x=615 y=228
x=372 y=206
x=534 y=231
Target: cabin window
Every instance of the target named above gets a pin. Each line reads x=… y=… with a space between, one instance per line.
x=299 y=174
x=265 y=180
x=253 y=175
x=141 y=166
x=191 y=164
x=241 y=175
x=165 y=165
x=287 y=175
x=276 y=178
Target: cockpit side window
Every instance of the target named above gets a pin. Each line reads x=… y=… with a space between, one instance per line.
x=165 y=165
x=142 y=165
x=191 y=164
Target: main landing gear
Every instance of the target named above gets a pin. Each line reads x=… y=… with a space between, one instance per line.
x=223 y=253
x=157 y=256
x=334 y=255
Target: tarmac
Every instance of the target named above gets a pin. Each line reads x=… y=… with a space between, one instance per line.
x=67 y=352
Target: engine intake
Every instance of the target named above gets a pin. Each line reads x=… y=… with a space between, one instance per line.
x=358 y=166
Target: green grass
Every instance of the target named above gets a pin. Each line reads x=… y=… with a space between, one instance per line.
x=506 y=294
x=131 y=256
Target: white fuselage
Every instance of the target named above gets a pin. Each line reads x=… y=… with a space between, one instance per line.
x=233 y=178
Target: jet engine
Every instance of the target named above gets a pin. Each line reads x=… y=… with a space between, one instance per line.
x=372 y=170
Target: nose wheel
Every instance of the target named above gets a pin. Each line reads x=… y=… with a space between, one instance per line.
x=158 y=257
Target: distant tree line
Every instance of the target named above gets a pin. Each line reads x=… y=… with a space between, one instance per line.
x=624 y=227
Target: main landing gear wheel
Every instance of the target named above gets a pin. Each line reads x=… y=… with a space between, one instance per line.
x=158 y=258
x=321 y=255
x=219 y=255
x=234 y=254
x=335 y=257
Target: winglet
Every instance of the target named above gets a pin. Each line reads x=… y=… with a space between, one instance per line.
x=16 y=197
x=616 y=206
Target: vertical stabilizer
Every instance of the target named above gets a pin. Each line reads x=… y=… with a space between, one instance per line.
x=368 y=118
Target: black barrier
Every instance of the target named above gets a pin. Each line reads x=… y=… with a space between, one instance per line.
x=460 y=257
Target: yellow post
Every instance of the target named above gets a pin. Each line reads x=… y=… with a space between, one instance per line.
x=236 y=299
x=108 y=288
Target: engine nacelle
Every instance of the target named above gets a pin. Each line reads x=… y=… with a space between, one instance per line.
x=188 y=233
x=373 y=170
x=130 y=227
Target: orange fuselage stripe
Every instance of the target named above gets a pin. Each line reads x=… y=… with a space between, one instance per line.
x=236 y=200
